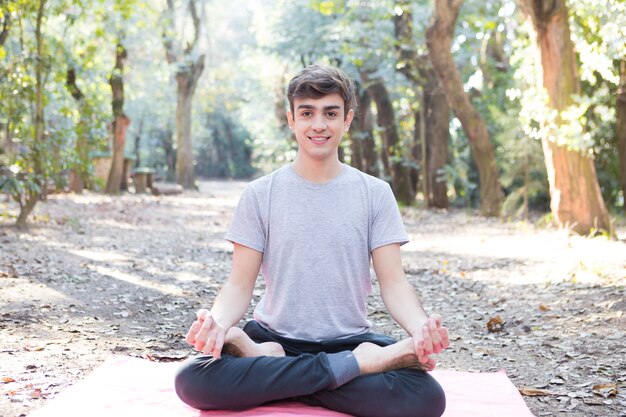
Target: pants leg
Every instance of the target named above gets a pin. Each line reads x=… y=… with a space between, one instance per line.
x=401 y=393
x=238 y=383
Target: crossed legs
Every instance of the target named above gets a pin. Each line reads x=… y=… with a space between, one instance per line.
x=250 y=374
x=370 y=357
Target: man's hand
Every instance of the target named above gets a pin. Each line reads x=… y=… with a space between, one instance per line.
x=433 y=338
x=206 y=335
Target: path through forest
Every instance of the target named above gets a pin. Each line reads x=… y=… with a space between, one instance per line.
x=97 y=276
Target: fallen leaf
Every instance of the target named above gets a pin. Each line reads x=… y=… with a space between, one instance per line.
x=36 y=393
x=534 y=392
x=33 y=348
x=544 y=307
x=7 y=379
x=606 y=390
x=495 y=324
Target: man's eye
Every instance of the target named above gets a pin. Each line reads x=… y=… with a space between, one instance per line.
x=306 y=113
x=332 y=114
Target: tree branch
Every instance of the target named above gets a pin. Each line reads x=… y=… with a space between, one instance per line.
x=70 y=82
x=196 y=23
x=5 y=28
x=170 y=52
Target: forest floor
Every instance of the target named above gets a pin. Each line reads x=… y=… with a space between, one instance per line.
x=96 y=276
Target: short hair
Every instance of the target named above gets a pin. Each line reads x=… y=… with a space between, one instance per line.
x=317 y=81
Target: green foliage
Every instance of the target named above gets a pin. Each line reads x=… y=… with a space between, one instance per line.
x=239 y=111
x=599 y=30
x=20 y=184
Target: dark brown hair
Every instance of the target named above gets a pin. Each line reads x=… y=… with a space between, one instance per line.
x=317 y=81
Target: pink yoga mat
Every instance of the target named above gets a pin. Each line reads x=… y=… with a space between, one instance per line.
x=132 y=387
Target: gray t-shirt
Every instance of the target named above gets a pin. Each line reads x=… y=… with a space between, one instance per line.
x=316 y=241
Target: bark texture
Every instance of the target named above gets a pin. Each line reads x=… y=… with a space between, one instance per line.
x=79 y=176
x=621 y=126
x=190 y=66
x=392 y=152
x=575 y=198
x=362 y=142
x=120 y=121
x=439 y=40
x=432 y=119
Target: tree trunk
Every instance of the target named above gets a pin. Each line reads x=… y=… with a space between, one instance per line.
x=392 y=152
x=138 y=143
x=437 y=134
x=170 y=153
x=120 y=122
x=439 y=40
x=187 y=82
x=421 y=151
x=26 y=209
x=368 y=144
x=575 y=197
x=431 y=140
x=356 y=155
x=621 y=126
x=6 y=24
x=357 y=132
x=79 y=176
x=189 y=71
x=37 y=154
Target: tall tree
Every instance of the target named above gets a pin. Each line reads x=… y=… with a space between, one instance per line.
x=120 y=120
x=38 y=184
x=439 y=40
x=79 y=176
x=362 y=144
x=4 y=34
x=392 y=152
x=620 y=130
x=190 y=64
x=575 y=198
x=433 y=116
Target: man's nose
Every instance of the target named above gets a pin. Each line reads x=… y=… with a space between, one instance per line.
x=319 y=123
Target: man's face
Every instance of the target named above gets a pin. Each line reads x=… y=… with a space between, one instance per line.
x=319 y=124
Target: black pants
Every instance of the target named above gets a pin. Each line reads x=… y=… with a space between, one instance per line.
x=304 y=375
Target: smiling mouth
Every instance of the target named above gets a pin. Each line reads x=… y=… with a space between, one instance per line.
x=319 y=140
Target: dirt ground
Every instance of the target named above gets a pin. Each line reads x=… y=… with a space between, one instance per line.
x=98 y=276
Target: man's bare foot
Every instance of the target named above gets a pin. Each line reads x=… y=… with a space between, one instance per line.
x=373 y=358
x=237 y=343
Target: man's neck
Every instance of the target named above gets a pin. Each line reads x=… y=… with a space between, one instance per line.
x=317 y=172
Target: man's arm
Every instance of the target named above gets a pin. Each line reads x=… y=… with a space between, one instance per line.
x=208 y=331
x=404 y=305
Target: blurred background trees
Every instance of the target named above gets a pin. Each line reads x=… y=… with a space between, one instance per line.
x=496 y=115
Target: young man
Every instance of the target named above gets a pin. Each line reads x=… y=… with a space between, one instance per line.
x=312 y=228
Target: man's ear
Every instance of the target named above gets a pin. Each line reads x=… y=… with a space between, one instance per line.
x=348 y=120
x=290 y=119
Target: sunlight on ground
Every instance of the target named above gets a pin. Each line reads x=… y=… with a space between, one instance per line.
x=118 y=224
x=556 y=258
x=23 y=294
x=186 y=276
x=137 y=280
x=99 y=255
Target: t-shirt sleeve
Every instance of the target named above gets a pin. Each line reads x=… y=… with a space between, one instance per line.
x=387 y=226
x=247 y=227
